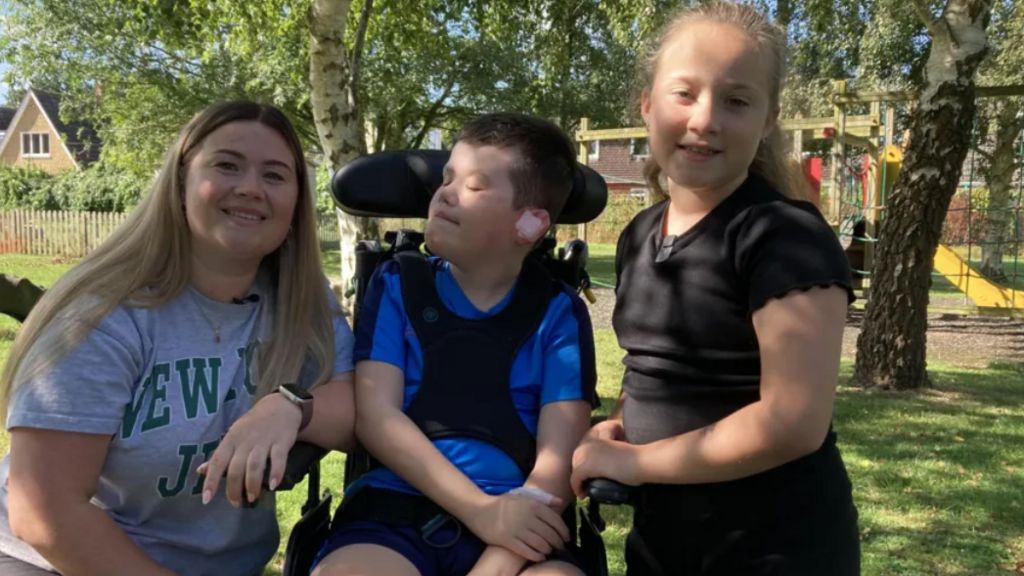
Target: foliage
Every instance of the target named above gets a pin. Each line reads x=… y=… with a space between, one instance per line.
x=99 y=188
x=19 y=188
x=140 y=68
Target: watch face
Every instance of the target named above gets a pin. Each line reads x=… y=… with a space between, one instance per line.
x=297 y=392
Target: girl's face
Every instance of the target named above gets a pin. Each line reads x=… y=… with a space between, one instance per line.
x=708 y=107
x=241 y=188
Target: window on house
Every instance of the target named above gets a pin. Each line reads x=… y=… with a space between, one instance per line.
x=639 y=148
x=638 y=193
x=593 y=150
x=35 y=144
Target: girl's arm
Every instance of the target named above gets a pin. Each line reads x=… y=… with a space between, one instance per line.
x=53 y=476
x=800 y=340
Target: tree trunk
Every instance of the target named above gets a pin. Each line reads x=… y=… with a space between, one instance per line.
x=999 y=175
x=891 y=346
x=335 y=115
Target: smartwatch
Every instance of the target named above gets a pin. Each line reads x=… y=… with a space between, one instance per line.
x=304 y=400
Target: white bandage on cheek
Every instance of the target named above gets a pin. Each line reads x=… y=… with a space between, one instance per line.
x=533 y=494
x=529 y=226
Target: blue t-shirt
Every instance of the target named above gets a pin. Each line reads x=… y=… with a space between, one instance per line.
x=555 y=364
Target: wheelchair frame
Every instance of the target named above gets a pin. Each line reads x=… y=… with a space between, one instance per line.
x=411 y=177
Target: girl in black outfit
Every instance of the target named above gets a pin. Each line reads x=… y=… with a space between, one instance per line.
x=730 y=303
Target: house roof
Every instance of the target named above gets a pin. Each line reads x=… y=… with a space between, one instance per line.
x=79 y=137
x=6 y=115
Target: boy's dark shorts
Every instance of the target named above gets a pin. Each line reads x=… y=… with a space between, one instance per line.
x=440 y=546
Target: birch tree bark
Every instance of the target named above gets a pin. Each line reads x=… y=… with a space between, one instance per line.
x=334 y=76
x=892 y=343
x=999 y=167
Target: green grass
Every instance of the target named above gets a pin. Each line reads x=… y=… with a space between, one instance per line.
x=938 y=475
x=601 y=265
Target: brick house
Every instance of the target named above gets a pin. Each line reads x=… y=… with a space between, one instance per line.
x=621 y=163
x=34 y=135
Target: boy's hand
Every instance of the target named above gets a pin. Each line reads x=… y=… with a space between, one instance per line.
x=497 y=561
x=269 y=430
x=520 y=524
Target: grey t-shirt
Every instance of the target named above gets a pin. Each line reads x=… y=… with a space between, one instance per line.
x=155 y=380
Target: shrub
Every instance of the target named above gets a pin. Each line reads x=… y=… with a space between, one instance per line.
x=99 y=188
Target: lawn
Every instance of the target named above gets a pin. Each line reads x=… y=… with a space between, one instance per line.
x=938 y=475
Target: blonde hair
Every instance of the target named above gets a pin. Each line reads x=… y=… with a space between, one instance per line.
x=147 y=261
x=771 y=162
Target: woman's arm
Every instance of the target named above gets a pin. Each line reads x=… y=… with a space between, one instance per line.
x=269 y=430
x=53 y=476
x=800 y=339
x=334 y=409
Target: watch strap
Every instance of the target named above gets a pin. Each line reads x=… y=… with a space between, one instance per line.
x=305 y=405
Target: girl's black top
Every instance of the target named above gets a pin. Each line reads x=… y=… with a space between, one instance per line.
x=684 y=303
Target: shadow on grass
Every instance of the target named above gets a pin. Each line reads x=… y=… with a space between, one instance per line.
x=937 y=473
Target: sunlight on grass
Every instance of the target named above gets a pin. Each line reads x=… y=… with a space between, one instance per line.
x=937 y=474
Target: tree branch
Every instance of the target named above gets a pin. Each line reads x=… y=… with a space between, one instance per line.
x=925 y=16
x=988 y=156
x=428 y=118
x=357 y=49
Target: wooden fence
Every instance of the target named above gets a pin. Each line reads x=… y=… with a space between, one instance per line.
x=55 y=233
x=74 y=234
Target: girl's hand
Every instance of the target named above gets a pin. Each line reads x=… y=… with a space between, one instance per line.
x=268 y=430
x=598 y=457
x=607 y=430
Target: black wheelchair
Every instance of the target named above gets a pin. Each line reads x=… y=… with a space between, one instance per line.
x=399 y=184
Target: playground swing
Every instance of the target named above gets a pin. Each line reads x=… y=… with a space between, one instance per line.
x=399 y=184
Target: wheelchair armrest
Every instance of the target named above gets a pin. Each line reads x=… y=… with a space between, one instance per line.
x=301 y=458
x=605 y=491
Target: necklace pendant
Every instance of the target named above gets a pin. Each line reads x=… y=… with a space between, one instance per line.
x=216 y=337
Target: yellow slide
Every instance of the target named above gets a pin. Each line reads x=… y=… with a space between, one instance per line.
x=984 y=292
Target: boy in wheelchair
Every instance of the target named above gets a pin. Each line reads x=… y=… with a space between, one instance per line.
x=475 y=376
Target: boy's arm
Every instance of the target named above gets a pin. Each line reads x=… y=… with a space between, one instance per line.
x=561 y=426
x=519 y=524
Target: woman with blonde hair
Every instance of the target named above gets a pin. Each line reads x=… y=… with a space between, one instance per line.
x=189 y=338
x=731 y=298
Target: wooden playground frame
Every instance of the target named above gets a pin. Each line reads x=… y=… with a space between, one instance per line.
x=872 y=132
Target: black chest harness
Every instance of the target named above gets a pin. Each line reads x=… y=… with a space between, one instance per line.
x=467 y=364
x=465 y=389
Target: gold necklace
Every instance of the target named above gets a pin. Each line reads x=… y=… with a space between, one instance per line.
x=215 y=328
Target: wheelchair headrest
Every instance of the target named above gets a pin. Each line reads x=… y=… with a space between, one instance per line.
x=400 y=183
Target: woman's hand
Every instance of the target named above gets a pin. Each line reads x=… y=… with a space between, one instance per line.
x=268 y=430
x=603 y=454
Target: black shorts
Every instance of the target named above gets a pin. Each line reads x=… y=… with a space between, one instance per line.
x=433 y=541
x=795 y=520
